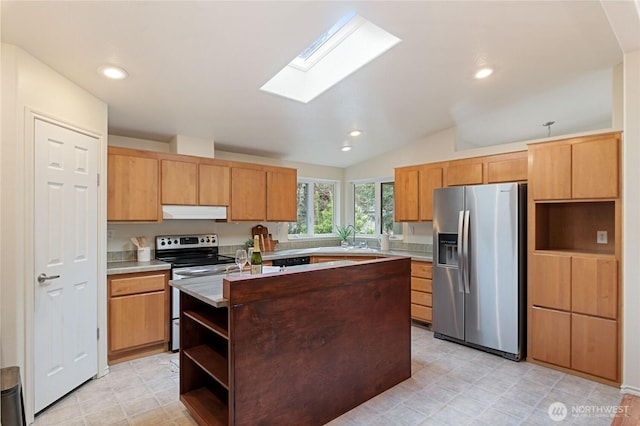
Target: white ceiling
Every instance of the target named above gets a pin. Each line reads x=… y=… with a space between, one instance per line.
x=195 y=69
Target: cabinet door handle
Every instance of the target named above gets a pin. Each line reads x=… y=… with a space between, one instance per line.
x=42 y=278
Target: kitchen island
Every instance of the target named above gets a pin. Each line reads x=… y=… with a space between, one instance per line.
x=300 y=346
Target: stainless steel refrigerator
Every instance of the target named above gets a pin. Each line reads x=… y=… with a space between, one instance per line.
x=479 y=266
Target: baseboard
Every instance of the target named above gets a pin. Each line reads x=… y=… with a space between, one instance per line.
x=630 y=389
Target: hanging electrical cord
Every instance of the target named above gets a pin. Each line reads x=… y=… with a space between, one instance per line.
x=548 y=125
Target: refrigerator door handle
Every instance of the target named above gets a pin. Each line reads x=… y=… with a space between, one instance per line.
x=465 y=250
x=460 y=252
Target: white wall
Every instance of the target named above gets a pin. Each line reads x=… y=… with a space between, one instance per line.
x=631 y=225
x=30 y=86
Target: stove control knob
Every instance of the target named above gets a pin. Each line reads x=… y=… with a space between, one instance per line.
x=175 y=241
x=202 y=240
x=162 y=243
x=168 y=242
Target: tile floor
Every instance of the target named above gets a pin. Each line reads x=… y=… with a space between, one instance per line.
x=450 y=385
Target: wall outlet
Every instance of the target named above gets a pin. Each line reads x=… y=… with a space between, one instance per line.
x=601 y=237
x=111 y=234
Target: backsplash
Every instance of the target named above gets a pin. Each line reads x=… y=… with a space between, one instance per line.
x=230 y=250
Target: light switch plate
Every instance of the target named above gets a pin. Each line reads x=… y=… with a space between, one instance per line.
x=601 y=237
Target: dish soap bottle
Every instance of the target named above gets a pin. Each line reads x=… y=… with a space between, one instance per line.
x=256 y=257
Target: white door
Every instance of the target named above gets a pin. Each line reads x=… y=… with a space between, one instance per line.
x=65 y=319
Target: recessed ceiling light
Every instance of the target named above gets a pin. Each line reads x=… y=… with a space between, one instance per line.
x=346 y=148
x=347 y=46
x=483 y=73
x=113 y=72
x=355 y=133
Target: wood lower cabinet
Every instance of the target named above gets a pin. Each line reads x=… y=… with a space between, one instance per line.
x=138 y=314
x=551 y=336
x=593 y=346
x=133 y=179
x=421 y=291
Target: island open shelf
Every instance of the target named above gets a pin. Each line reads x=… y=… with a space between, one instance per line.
x=302 y=346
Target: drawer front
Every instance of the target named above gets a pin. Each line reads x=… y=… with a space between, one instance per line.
x=421 y=284
x=420 y=298
x=420 y=312
x=421 y=269
x=136 y=285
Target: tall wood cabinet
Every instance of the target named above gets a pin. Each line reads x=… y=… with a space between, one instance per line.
x=574 y=320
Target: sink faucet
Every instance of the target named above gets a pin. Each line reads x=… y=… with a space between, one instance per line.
x=354 y=233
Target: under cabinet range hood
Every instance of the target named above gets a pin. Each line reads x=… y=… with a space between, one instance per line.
x=194 y=212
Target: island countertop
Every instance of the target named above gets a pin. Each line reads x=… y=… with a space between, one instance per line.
x=208 y=289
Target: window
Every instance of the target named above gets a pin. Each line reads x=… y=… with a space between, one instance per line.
x=373 y=208
x=316 y=209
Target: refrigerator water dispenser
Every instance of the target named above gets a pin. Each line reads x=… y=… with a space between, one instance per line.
x=448 y=249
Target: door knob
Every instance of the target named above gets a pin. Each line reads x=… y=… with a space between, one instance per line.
x=42 y=278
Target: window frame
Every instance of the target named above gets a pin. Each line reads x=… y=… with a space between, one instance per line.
x=377 y=203
x=311 y=182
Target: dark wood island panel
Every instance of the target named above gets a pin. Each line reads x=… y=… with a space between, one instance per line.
x=304 y=346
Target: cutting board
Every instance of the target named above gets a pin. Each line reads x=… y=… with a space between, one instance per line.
x=266 y=243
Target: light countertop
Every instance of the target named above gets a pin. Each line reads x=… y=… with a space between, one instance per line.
x=209 y=288
x=114 y=268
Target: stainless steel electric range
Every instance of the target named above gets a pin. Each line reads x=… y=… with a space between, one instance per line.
x=190 y=256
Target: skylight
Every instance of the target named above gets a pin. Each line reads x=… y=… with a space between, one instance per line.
x=348 y=45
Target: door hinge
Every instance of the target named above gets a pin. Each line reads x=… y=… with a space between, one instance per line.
x=98 y=333
x=98 y=179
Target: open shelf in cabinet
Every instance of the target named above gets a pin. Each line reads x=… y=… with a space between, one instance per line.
x=210 y=321
x=206 y=406
x=573 y=226
x=211 y=362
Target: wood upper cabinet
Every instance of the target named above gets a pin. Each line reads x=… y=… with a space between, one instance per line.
x=406 y=190
x=595 y=168
x=214 y=185
x=138 y=313
x=132 y=186
x=282 y=201
x=413 y=192
x=550 y=171
x=179 y=182
x=464 y=173
x=414 y=185
x=430 y=178
x=195 y=181
x=512 y=170
x=263 y=193
x=579 y=168
x=248 y=194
